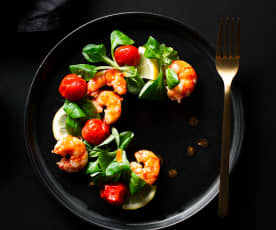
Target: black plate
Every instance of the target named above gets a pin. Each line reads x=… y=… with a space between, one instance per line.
x=160 y=127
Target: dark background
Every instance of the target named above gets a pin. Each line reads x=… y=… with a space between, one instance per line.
x=25 y=203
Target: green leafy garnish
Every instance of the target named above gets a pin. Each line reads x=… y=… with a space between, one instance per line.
x=107 y=140
x=118 y=167
x=172 y=78
x=77 y=113
x=73 y=126
x=105 y=159
x=93 y=167
x=168 y=54
x=125 y=138
x=94 y=53
x=112 y=165
x=85 y=70
x=97 y=53
x=83 y=108
x=135 y=183
x=152 y=48
x=88 y=108
x=164 y=54
x=154 y=90
x=115 y=133
x=73 y=110
x=134 y=84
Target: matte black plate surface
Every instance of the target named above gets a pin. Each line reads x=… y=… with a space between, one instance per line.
x=160 y=127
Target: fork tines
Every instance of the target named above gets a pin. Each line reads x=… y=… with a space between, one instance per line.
x=226 y=50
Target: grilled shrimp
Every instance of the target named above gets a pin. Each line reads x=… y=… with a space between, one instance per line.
x=73 y=148
x=112 y=102
x=187 y=77
x=150 y=171
x=111 y=77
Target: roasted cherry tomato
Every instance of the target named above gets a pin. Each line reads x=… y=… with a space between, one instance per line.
x=114 y=193
x=95 y=131
x=72 y=87
x=127 y=55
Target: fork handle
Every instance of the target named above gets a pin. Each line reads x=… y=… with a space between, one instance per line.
x=224 y=160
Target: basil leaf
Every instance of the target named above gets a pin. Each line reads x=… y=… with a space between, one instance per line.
x=73 y=126
x=116 y=167
x=88 y=108
x=154 y=90
x=172 y=78
x=73 y=110
x=93 y=167
x=125 y=139
x=152 y=48
x=116 y=136
x=85 y=70
x=134 y=84
x=94 y=53
x=135 y=183
x=118 y=38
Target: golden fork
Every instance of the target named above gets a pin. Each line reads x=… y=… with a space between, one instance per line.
x=227 y=64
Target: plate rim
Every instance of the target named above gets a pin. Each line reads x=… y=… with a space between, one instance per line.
x=214 y=187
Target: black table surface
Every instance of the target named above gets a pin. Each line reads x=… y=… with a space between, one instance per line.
x=24 y=200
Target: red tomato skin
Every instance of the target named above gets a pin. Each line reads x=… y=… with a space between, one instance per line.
x=127 y=55
x=95 y=131
x=73 y=87
x=114 y=193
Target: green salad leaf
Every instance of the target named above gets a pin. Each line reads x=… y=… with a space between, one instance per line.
x=73 y=110
x=125 y=138
x=94 y=53
x=77 y=113
x=152 y=48
x=85 y=70
x=88 y=108
x=135 y=183
x=154 y=90
x=172 y=78
x=105 y=159
x=117 y=167
x=107 y=140
x=109 y=166
x=115 y=133
x=73 y=126
x=83 y=108
x=164 y=54
x=135 y=84
x=168 y=54
x=93 y=168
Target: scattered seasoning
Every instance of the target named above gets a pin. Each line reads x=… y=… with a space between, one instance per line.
x=172 y=173
x=193 y=122
x=161 y=159
x=203 y=142
x=91 y=183
x=190 y=151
